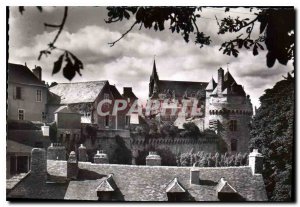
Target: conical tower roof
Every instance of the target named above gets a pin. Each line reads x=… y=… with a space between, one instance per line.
x=211 y=85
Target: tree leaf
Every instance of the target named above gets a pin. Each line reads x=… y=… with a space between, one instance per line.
x=21 y=9
x=68 y=70
x=255 y=52
x=40 y=8
x=57 y=64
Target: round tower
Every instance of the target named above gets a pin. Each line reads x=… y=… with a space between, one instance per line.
x=228 y=112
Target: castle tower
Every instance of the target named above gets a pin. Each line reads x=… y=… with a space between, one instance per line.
x=228 y=112
x=153 y=80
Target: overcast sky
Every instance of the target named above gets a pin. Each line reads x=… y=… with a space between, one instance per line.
x=130 y=61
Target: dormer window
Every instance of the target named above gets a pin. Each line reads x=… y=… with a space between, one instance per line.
x=175 y=191
x=106 y=189
x=226 y=192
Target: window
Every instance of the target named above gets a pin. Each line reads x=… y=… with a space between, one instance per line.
x=106 y=121
x=127 y=120
x=21 y=114
x=18 y=92
x=44 y=115
x=233 y=145
x=38 y=95
x=233 y=125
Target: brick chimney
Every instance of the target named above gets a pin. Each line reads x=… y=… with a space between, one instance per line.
x=153 y=159
x=82 y=154
x=72 y=166
x=37 y=71
x=256 y=162
x=101 y=158
x=194 y=176
x=220 y=81
x=39 y=164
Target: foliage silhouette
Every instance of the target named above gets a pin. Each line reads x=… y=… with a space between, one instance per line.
x=277 y=31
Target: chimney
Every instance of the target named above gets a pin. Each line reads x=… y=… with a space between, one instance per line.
x=194 y=176
x=127 y=90
x=82 y=155
x=256 y=162
x=37 y=71
x=56 y=151
x=101 y=158
x=220 y=80
x=153 y=159
x=72 y=167
x=39 y=164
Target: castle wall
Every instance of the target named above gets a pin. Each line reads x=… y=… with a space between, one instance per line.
x=176 y=145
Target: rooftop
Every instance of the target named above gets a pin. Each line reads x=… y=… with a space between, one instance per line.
x=79 y=92
x=22 y=74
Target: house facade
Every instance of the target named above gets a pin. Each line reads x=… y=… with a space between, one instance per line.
x=27 y=94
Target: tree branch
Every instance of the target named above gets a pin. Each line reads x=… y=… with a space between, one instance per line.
x=61 y=26
x=123 y=35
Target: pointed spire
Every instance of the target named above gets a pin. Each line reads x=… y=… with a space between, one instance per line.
x=154 y=75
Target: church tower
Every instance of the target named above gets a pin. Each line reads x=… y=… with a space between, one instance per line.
x=153 y=85
x=228 y=112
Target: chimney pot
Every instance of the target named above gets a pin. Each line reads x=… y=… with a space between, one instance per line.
x=153 y=159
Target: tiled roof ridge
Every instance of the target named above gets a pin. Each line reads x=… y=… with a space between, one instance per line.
x=181 y=167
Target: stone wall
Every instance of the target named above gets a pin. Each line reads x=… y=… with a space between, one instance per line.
x=176 y=145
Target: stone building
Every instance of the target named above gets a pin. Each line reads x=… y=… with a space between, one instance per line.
x=84 y=97
x=27 y=94
x=223 y=107
x=73 y=180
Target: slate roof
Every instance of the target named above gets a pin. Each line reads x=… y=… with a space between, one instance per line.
x=180 y=87
x=129 y=94
x=148 y=183
x=13 y=181
x=116 y=94
x=28 y=137
x=224 y=187
x=211 y=85
x=106 y=184
x=79 y=92
x=22 y=74
x=175 y=187
x=65 y=110
x=16 y=147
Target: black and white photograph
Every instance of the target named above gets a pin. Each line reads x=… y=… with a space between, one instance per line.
x=150 y=104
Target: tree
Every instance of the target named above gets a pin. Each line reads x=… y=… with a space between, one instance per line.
x=277 y=31
x=272 y=132
x=190 y=130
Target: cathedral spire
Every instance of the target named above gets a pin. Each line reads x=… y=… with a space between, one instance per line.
x=154 y=75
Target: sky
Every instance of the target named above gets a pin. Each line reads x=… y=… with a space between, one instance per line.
x=129 y=63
